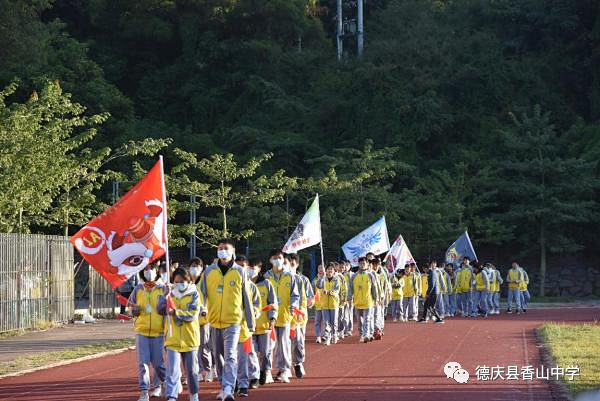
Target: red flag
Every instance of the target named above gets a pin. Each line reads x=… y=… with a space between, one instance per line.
x=122 y=300
x=273 y=334
x=267 y=308
x=248 y=345
x=293 y=332
x=130 y=235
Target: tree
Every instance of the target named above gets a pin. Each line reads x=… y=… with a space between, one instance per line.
x=545 y=188
x=49 y=177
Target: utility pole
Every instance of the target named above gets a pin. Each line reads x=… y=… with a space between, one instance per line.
x=340 y=28
x=359 y=33
x=192 y=223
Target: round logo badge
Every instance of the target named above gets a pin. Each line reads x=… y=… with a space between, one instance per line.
x=232 y=283
x=288 y=285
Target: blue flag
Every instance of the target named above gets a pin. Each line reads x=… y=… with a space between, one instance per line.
x=459 y=249
x=372 y=239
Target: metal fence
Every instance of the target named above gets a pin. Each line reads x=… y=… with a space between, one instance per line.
x=101 y=296
x=36 y=280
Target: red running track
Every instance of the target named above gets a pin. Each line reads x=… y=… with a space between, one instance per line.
x=406 y=365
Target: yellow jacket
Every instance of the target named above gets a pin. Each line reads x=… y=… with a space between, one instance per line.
x=288 y=296
x=481 y=281
x=343 y=296
x=463 y=280
x=409 y=285
x=306 y=294
x=424 y=279
x=514 y=278
x=363 y=290
x=525 y=280
x=397 y=284
x=332 y=285
x=227 y=298
x=147 y=320
x=183 y=333
x=318 y=293
x=267 y=298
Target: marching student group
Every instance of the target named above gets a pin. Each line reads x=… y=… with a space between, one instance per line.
x=239 y=322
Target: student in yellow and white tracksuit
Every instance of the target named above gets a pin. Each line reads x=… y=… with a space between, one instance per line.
x=397 y=283
x=330 y=303
x=523 y=289
x=451 y=277
x=495 y=283
x=246 y=353
x=440 y=304
x=348 y=318
x=318 y=296
x=423 y=285
x=410 y=301
x=228 y=302
x=380 y=306
x=299 y=321
x=182 y=333
x=464 y=276
x=343 y=295
x=149 y=331
x=262 y=341
x=514 y=278
x=205 y=359
x=363 y=292
x=288 y=299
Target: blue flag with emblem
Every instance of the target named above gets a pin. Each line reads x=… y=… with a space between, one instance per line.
x=459 y=249
x=372 y=239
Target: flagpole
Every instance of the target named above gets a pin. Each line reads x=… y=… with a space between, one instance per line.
x=166 y=233
x=321 y=235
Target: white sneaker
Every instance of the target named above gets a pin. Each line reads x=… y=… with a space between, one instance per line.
x=348 y=334
x=158 y=391
x=221 y=395
x=283 y=377
x=318 y=340
x=361 y=340
x=144 y=396
x=395 y=320
x=335 y=340
x=288 y=373
x=208 y=377
x=327 y=342
x=268 y=377
x=194 y=397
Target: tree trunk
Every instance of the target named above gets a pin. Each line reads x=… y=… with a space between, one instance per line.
x=542 y=259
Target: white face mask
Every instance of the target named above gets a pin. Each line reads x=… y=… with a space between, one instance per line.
x=252 y=273
x=195 y=271
x=182 y=286
x=224 y=254
x=277 y=263
x=149 y=275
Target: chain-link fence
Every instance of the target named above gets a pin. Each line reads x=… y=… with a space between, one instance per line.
x=36 y=280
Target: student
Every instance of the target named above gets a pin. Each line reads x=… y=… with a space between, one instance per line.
x=482 y=286
x=349 y=308
x=384 y=287
x=265 y=324
x=245 y=348
x=182 y=332
x=339 y=270
x=464 y=277
x=318 y=295
x=397 y=283
x=422 y=280
x=523 y=289
x=195 y=268
x=228 y=301
x=148 y=325
x=443 y=290
x=377 y=300
x=410 y=300
x=433 y=293
x=330 y=304
x=514 y=277
x=363 y=292
x=307 y=299
x=450 y=276
x=288 y=299
x=496 y=283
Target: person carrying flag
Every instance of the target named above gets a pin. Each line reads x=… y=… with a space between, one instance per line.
x=228 y=302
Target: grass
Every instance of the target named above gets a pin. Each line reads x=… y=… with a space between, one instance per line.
x=575 y=345
x=40 y=325
x=45 y=358
x=562 y=299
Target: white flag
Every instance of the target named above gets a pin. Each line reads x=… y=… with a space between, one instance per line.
x=308 y=231
x=399 y=255
x=373 y=239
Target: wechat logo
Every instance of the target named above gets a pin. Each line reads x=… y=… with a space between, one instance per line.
x=455 y=371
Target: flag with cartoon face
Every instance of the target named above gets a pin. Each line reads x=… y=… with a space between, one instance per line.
x=372 y=239
x=128 y=236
